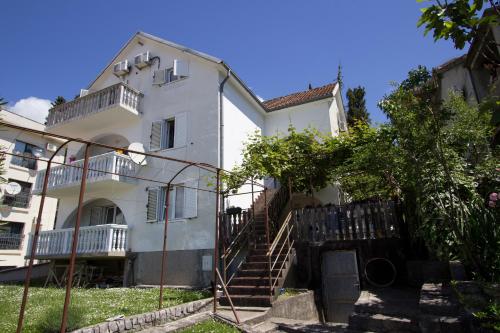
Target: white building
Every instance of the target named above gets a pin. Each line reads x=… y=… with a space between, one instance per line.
x=18 y=212
x=178 y=103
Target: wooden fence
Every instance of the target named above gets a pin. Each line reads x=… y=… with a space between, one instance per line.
x=365 y=220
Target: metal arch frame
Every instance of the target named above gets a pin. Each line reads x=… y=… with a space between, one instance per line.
x=34 y=243
x=164 y=249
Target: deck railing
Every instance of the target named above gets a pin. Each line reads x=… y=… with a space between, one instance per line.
x=118 y=94
x=357 y=221
x=100 y=167
x=100 y=239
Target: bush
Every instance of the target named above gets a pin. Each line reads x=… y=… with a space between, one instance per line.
x=50 y=320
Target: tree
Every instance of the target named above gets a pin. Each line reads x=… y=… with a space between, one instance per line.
x=459 y=20
x=340 y=77
x=58 y=101
x=298 y=157
x=356 y=106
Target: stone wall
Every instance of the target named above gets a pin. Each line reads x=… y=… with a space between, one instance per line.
x=141 y=321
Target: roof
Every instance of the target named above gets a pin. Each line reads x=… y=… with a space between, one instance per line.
x=450 y=64
x=300 y=97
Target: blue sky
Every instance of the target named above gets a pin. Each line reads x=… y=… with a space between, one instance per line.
x=52 y=48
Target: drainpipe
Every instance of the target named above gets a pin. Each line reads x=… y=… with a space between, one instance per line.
x=221 y=124
x=221 y=119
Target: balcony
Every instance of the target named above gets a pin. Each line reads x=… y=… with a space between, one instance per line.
x=108 y=171
x=117 y=104
x=108 y=240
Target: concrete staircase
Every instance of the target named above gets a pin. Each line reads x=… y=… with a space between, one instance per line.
x=251 y=285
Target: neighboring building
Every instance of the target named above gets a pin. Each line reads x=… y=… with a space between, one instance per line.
x=18 y=212
x=172 y=99
x=476 y=73
x=473 y=73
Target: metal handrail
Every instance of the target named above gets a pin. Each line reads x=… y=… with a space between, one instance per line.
x=280 y=232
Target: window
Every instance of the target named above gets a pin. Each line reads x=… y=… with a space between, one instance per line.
x=169 y=75
x=20 y=200
x=24 y=151
x=163 y=134
x=11 y=235
x=182 y=202
x=176 y=203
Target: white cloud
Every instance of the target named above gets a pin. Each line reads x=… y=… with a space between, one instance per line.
x=260 y=98
x=33 y=108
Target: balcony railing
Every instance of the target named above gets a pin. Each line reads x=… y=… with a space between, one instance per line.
x=107 y=239
x=115 y=95
x=10 y=241
x=101 y=167
x=21 y=200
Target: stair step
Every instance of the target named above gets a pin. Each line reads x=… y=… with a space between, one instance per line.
x=255 y=265
x=382 y=323
x=246 y=300
x=250 y=281
x=264 y=258
x=248 y=290
x=257 y=272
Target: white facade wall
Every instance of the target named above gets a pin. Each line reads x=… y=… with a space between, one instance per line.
x=196 y=97
x=27 y=216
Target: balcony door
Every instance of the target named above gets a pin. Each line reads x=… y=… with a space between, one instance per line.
x=100 y=215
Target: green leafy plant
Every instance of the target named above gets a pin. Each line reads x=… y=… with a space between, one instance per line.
x=490 y=317
x=356 y=106
x=50 y=320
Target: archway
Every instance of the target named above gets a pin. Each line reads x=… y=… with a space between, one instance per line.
x=97 y=212
x=114 y=140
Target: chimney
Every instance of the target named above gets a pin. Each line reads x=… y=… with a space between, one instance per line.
x=310 y=86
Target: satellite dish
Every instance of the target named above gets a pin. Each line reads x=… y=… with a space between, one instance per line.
x=139 y=159
x=13 y=188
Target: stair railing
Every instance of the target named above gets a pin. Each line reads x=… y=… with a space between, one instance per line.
x=275 y=208
x=282 y=245
x=236 y=232
x=279 y=217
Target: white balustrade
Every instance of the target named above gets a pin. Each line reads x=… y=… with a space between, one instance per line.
x=118 y=94
x=111 y=165
x=99 y=239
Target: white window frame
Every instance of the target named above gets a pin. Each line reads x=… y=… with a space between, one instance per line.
x=172 y=207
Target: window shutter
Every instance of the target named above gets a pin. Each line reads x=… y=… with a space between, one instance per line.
x=152 y=206
x=180 y=132
x=156 y=130
x=159 y=76
x=181 y=68
x=191 y=199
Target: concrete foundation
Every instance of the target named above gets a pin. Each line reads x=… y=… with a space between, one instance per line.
x=184 y=268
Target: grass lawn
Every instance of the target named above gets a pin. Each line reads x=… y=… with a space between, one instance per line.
x=91 y=306
x=210 y=326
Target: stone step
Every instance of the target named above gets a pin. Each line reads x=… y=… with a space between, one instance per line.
x=382 y=323
x=264 y=258
x=446 y=324
x=255 y=265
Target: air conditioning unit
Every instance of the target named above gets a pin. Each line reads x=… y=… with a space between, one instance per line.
x=142 y=60
x=121 y=68
x=83 y=92
x=51 y=147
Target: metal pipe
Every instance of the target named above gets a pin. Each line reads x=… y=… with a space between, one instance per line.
x=204 y=166
x=34 y=243
x=164 y=250
x=165 y=229
x=67 y=298
x=216 y=247
x=228 y=297
x=266 y=219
